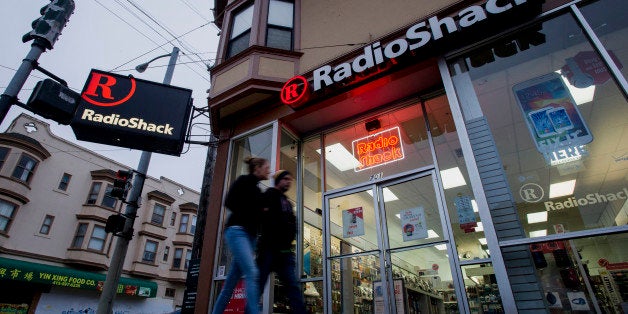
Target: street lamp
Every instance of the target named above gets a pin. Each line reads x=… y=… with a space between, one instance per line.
x=105 y=303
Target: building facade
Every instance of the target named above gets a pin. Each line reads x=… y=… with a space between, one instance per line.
x=450 y=156
x=54 y=250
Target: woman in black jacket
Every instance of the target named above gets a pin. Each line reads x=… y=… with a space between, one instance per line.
x=244 y=201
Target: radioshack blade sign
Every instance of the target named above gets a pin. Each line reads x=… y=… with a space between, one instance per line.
x=128 y=112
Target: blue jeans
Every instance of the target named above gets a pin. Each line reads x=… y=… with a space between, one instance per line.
x=284 y=265
x=242 y=247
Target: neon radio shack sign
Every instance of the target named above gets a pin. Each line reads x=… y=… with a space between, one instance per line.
x=378 y=149
x=295 y=92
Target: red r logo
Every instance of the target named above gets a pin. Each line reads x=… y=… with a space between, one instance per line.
x=105 y=83
x=295 y=91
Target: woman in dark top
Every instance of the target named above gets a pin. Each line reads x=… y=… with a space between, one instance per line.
x=244 y=201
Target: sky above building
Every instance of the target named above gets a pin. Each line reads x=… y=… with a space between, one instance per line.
x=115 y=36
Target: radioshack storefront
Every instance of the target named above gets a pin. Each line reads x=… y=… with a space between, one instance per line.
x=492 y=178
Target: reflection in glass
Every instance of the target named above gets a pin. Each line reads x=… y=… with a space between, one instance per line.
x=481 y=288
x=352 y=219
x=352 y=280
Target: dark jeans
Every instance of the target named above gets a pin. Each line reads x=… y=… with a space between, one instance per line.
x=284 y=265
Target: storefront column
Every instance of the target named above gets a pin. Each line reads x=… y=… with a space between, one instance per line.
x=498 y=257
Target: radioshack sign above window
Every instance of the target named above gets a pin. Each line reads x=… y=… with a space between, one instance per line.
x=378 y=149
x=431 y=30
x=128 y=112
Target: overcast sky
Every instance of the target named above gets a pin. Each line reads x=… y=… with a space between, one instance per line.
x=115 y=36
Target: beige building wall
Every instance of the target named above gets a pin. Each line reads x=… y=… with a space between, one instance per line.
x=23 y=240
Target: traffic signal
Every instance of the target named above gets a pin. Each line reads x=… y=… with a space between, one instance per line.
x=54 y=101
x=53 y=18
x=115 y=223
x=121 y=184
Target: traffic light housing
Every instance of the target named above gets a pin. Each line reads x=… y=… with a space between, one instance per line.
x=53 y=18
x=54 y=101
x=121 y=184
x=115 y=223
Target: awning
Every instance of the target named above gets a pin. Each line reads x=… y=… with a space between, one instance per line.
x=67 y=277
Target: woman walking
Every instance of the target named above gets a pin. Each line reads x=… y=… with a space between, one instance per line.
x=244 y=200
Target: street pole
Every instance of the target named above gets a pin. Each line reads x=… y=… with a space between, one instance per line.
x=19 y=78
x=105 y=303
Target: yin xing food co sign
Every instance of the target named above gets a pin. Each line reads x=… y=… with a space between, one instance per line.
x=128 y=112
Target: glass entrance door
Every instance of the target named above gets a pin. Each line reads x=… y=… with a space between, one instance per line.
x=385 y=248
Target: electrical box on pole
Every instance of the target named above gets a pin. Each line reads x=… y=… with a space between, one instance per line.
x=53 y=18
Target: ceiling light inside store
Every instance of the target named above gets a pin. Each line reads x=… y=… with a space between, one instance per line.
x=482 y=241
x=452 y=178
x=480 y=227
x=537 y=217
x=580 y=95
x=340 y=157
x=562 y=188
x=388 y=196
x=474 y=204
x=538 y=233
x=432 y=234
x=441 y=247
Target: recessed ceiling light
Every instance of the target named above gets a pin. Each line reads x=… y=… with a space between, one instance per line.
x=452 y=178
x=432 y=234
x=441 y=247
x=482 y=241
x=479 y=227
x=474 y=204
x=537 y=217
x=562 y=188
x=339 y=156
x=538 y=233
x=388 y=195
x=580 y=95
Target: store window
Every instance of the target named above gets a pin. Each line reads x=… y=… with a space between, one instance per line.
x=557 y=120
x=482 y=290
x=258 y=144
x=7 y=213
x=97 y=240
x=467 y=227
x=280 y=26
x=64 y=182
x=25 y=168
x=351 y=157
x=240 y=31
x=46 y=225
x=589 y=274
x=159 y=211
x=92 y=197
x=312 y=210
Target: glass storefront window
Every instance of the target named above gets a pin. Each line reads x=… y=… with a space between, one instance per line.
x=558 y=126
x=352 y=284
x=344 y=214
x=312 y=210
x=589 y=274
x=258 y=144
x=467 y=227
x=606 y=18
x=481 y=287
x=376 y=147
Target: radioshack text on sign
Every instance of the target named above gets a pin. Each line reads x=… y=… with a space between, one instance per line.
x=378 y=149
x=128 y=112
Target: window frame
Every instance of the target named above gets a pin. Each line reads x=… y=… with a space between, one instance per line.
x=94 y=192
x=154 y=253
x=188 y=257
x=247 y=33
x=22 y=168
x=270 y=26
x=9 y=220
x=79 y=235
x=176 y=261
x=166 y=254
x=47 y=225
x=183 y=223
x=173 y=219
x=4 y=152
x=107 y=197
x=94 y=238
x=159 y=222
x=64 y=183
